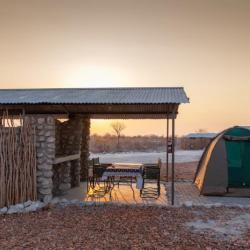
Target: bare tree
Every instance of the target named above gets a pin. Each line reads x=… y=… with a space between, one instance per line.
x=118 y=127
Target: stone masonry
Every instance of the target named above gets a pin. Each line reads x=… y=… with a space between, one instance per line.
x=85 y=148
x=56 y=138
x=69 y=137
x=45 y=151
x=61 y=178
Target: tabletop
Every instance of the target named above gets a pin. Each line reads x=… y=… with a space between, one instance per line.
x=125 y=167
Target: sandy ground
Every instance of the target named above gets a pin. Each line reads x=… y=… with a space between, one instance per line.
x=110 y=227
x=148 y=157
x=183 y=171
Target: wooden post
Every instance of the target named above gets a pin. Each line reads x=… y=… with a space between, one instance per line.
x=167 y=136
x=173 y=158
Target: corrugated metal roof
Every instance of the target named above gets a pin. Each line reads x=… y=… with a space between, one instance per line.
x=201 y=135
x=94 y=96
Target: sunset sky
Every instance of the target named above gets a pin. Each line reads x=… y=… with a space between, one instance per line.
x=201 y=45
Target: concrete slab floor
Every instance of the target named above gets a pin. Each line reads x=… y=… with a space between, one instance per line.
x=124 y=194
x=188 y=192
x=185 y=192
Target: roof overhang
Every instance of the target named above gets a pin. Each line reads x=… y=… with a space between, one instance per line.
x=108 y=103
x=97 y=111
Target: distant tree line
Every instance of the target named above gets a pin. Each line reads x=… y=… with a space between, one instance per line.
x=117 y=142
x=108 y=143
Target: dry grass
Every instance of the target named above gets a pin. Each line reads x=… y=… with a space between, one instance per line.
x=183 y=171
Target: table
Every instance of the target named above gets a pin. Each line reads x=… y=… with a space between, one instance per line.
x=125 y=170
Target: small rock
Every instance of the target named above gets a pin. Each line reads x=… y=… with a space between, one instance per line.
x=40 y=138
x=217 y=205
x=55 y=201
x=45 y=191
x=50 y=139
x=34 y=206
x=188 y=203
x=18 y=208
x=208 y=205
x=43 y=167
x=75 y=201
x=48 y=174
x=40 y=120
x=27 y=203
x=47 y=198
x=92 y=203
x=3 y=210
x=49 y=133
x=64 y=201
x=64 y=186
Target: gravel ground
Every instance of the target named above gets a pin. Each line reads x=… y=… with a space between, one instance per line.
x=111 y=227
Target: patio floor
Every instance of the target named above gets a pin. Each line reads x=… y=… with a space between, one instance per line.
x=124 y=194
x=186 y=192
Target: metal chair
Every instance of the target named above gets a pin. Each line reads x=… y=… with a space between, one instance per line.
x=96 y=160
x=151 y=181
x=98 y=187
x=90 y=178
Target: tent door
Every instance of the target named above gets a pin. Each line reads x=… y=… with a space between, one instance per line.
x=235 y=153
x=246 y=163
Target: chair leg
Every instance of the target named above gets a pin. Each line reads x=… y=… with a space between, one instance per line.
x=159 y=187
x=151 y=192
x=142 y=187
x=90 y=183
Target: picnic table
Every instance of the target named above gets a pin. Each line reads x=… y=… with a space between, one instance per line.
x=125 y=170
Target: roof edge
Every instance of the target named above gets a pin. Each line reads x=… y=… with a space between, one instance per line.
x=95 y=88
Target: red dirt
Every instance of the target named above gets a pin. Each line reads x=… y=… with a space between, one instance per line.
x=110 y=227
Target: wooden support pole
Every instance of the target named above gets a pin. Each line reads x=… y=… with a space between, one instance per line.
x=167 y=137
x=173 y=160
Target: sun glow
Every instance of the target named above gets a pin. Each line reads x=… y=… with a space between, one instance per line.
x=101 y=126
x=95 y=76
x=133 y=127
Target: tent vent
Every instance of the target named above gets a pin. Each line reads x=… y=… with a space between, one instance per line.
x=236 y=138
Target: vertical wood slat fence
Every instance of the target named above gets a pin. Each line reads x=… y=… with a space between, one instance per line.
x=17 y=160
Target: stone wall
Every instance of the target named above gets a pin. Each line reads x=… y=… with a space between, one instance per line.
x=69 y=137
x=53 y=139
x=61 y=178
x=45 y=152
x=58 y=137
x=85 y=148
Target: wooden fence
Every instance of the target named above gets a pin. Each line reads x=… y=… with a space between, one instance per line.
x=17 y=160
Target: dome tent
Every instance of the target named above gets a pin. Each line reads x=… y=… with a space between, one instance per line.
x=225 y=162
